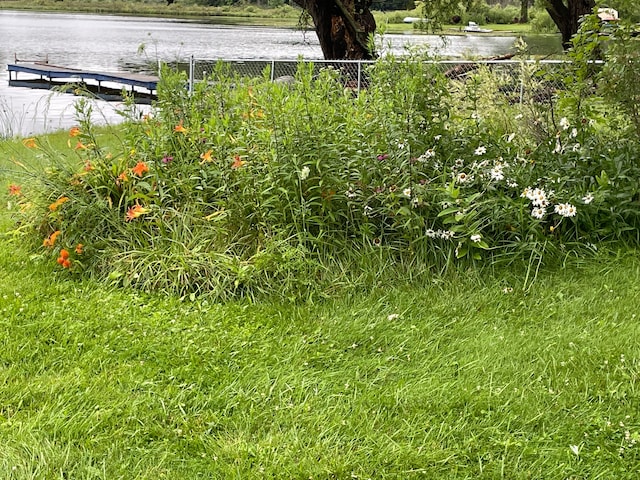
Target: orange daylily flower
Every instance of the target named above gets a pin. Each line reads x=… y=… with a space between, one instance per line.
x=54 y=206
x=140 y=169
x=135 y=212
x=30 y=143
x=237 y=162
x=74 y=132
x=88 y=166
x=80 y=146
x=51 y=239
x=206 y=156
x=179 y=128
x=15 y=190
x=63 y=259
x=79 y=249
x=123 y=177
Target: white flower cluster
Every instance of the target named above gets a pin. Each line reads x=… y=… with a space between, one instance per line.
x=444 y=234
x=429 y=154
x=565 y=210
x=304 y=173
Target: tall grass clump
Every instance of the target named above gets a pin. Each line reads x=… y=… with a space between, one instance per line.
x=247 y=186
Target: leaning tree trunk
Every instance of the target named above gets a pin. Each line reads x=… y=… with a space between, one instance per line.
x=342 y=26
x=567 y=17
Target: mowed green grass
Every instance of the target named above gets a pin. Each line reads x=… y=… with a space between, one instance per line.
x=475 y=375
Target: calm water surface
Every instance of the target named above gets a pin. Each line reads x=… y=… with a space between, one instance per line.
x=113 y=43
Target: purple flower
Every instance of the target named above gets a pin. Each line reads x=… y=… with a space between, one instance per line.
x=167 y=159
x=383 y=157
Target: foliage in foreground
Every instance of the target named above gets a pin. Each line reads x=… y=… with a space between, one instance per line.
x=250 y=186
x=466 y=378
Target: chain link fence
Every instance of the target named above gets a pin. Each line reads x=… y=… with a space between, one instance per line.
x=517 y=80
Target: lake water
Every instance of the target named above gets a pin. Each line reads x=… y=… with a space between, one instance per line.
x=113 y=43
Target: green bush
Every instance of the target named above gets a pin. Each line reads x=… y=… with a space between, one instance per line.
x=247 y=187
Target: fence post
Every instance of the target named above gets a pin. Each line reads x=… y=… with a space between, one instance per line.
x=521 y=86
x=191 y=73
x=273 y=70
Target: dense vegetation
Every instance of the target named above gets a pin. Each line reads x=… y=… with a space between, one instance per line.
x=480 y=227
x=248 y=186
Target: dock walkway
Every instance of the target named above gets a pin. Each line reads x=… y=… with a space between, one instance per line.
x=55 y=75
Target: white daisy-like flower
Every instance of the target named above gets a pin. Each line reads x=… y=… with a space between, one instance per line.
x=407 y=192
x=527 y=193
x=459 y=163
x=565 y=210
x=538 y=212
x=304 y=173
x=539 y=198
x=447 y=234
x=427 y=155
x=574 y=132
x=463 y=178
x=511 y=183
x=588 y=198
x=475 y=238
x=564 y=123
x=431 y=233
x=481 y=150
x=496 y=173
x=437 y=137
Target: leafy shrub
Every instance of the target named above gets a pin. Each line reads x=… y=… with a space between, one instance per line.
x=247 y=187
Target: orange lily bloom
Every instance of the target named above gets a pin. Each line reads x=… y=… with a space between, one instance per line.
x=140 y=169
x=54 y=206
x=15 y=190
x=206 y=156
x=135 y=212
x=30 y=143
x=123 y=177
x=80 y=146
x=179 y=128
x=74 y=132
x=51 y=239
x=237 y=162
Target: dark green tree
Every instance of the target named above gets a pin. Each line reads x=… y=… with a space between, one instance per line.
x=343 y=27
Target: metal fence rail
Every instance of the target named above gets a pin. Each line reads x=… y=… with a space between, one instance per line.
x=517 y=80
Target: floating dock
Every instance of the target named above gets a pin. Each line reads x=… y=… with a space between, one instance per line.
x=107 y=86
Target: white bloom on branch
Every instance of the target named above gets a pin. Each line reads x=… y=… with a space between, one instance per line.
x=304 y=173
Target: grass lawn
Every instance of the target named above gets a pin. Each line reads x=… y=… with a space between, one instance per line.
x=471 y=376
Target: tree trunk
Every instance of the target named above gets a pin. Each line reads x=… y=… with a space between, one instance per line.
x=524 y=11
x=567 y=17
x=342 y=26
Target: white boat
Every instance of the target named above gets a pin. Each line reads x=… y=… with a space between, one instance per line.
x=475 y=28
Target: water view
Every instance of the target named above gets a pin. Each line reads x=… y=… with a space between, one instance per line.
x=134 y=44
